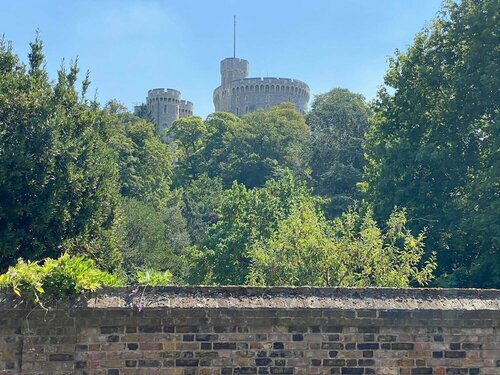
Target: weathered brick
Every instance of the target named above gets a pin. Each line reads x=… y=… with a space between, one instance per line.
x=263 y=361
x=130 y=363
x=472 y=346
x=422 y=371
x=148 y=363
x=352 y=370
x=334 y=362
x=184 y=362
x=110 y=329
x=278 y=345
x=402 y=346
x=245 y=370
x=368 y=346
x=366 y=362
x=61 y=357
x=454 y=354
x=150 y=329
x=332 y=345
x=206 y=337
x=224 y=345
x=282 y=370
x=386 y=338
x=457 y=371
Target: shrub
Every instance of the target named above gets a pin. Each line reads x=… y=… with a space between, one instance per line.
x=55 y=279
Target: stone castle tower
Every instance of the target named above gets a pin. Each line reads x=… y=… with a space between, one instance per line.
x=165 y=106
x=239 y=95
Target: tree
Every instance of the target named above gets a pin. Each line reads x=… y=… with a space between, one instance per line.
x=349 y=252
x=277 y=140
x=338 y=120
x=298 y=252
x=144 y=113
x=251 y=150
x=58 y=177
x=153 y=229
x=153 y=238
x=242 y=217
x=222 y=147
x=433 y=145
x=201 y=198
x=144 y=160
x=115 y=108
x=188 y=135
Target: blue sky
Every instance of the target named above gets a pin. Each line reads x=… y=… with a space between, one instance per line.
x=132 y=46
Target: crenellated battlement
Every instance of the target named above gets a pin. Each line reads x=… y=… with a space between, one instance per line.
x=234 y=60
x=185 y=108
x=164 y=92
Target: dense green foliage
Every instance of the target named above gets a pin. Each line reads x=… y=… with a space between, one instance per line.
x=63 y=278
x=277 y=235
x=433 y=145
x=200 y=199
x=153 y=278
x=153 y=238
x=351 y=251
x=67 y=278
x=242 y=216
x=250 y=150
x=354 y=194
x=58 y=177
x=144 y=161
x=338 y=121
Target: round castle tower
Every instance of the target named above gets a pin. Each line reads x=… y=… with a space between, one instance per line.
x=165 y=106
x=239 y=95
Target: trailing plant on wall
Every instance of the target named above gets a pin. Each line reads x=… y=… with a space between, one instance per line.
x=66 y=278
x=55 y=279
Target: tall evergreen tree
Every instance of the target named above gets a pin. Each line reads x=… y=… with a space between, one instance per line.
x=58 y=177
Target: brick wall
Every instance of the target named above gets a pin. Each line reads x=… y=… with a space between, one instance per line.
x=232 y=330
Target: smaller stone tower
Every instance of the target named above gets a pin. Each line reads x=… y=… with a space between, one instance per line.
x=166 y=106
x=186 y=109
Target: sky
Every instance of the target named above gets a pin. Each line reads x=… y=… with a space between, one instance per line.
x=132 y=46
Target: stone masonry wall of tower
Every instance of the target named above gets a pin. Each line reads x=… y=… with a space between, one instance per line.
x=165 y=106
x=239 y=95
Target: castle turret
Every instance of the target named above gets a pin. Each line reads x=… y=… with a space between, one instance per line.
x=186 y=108
x=165 y=106
x=232 y=69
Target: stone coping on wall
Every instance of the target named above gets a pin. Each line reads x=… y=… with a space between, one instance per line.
x=241 y=297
